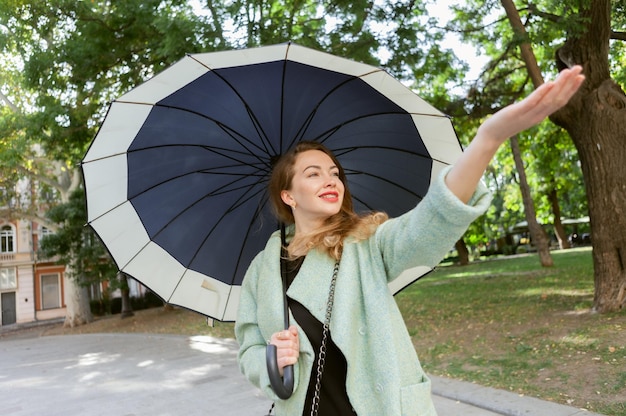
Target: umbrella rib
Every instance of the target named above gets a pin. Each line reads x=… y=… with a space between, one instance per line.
x=346 y=150
x=302 y=131
x=234 y=206
x=223 y=189
x=282 y=99
x=255 y=121
x=371 y=208
x=256 y=215
x=215 y=192
x=232 y=132
x=224 y=152
x=351 y=172
x=326 y=135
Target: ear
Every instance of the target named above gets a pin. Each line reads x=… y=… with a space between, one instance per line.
x=287 y=198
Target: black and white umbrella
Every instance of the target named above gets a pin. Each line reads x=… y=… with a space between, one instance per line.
x=176 y=176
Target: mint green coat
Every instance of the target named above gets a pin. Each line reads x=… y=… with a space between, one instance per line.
x=384 y=376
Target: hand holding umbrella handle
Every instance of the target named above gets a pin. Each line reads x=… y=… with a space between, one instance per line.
x=282 y=386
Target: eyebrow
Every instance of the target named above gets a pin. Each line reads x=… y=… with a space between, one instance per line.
x=318 y=167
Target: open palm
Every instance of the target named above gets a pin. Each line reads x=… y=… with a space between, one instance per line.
x=542 y=102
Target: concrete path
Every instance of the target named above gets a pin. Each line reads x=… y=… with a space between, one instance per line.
x=162 y=375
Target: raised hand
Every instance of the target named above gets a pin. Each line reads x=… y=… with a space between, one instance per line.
x=545 y=100
x=533 y=109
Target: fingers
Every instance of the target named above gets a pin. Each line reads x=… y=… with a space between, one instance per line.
x=287 y=347
x=294 y=330
x=559 y=91
x=568 y=82
x=553 y=95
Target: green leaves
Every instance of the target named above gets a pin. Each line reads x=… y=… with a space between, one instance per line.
x=75 y=244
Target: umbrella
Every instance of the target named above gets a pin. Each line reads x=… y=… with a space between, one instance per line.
x=176 y=176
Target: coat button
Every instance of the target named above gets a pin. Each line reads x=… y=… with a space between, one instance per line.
x=379 y=388
x=362 y=330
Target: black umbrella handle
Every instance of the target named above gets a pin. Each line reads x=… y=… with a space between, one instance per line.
x=282 y=386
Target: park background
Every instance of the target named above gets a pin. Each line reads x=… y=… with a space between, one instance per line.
x=64 y=61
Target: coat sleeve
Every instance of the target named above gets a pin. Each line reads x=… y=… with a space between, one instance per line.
x=424 y=235
x=251 y=355
x=252 y=343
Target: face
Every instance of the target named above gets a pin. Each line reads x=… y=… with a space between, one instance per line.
x=316 y=190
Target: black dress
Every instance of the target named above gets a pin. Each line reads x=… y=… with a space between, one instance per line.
x=334 y=399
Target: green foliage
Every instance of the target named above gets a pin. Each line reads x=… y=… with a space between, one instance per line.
x=550 y=157
x=79 y=55
x=75 y=244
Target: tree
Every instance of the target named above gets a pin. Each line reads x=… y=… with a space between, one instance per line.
x=62 y=62
x=558 y=177
x=596 y=121
x=77 y=247
x=127 y=308
x=537 y=233
x=578 y=33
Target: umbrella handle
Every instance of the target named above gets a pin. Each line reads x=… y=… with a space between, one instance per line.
x=282 y=386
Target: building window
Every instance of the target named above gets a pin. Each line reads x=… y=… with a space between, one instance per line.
x=45 y=231
x=8 y=279
x=50 y=291
x=43 y=234
x=7 y=239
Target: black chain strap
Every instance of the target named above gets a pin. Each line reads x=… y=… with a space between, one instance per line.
x=321 y=359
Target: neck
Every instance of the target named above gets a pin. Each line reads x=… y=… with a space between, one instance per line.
x=304 y=228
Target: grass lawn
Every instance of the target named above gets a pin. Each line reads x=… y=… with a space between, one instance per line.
x=511 y=324
x=506 y=323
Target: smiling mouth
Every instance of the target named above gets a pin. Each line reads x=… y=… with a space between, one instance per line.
x=330 y=196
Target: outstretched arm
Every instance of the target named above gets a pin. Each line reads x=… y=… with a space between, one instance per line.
x=545 y=100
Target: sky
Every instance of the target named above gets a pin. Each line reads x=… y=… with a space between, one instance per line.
x=441 y=11
x=467 y=53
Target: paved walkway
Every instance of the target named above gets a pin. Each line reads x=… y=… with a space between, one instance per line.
x=162 y=375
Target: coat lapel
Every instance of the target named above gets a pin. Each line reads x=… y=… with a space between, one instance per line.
x=310 y=288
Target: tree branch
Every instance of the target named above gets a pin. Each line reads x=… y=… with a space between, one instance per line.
x=532 y=8
x=618 y=35
x=9 y=103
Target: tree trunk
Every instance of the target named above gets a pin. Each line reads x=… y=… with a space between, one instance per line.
x=538 y=236
x=127 y=308
x=537 y=233
x=461 y=249
x=559 y=231
x=596 y=120
x=77 y=309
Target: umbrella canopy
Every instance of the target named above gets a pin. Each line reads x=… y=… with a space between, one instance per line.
x=176 y=176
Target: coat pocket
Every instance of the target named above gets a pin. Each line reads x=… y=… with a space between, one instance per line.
x=417 y=399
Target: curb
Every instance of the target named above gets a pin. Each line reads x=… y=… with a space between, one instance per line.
x=500 y=401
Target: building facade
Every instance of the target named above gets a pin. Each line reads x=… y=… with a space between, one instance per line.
x=31 y=289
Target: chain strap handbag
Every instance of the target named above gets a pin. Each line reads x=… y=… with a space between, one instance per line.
x=321 y=359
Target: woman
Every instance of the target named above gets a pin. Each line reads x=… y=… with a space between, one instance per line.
x=371 y=367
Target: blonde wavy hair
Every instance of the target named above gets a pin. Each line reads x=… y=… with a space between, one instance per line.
x=331 y=236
